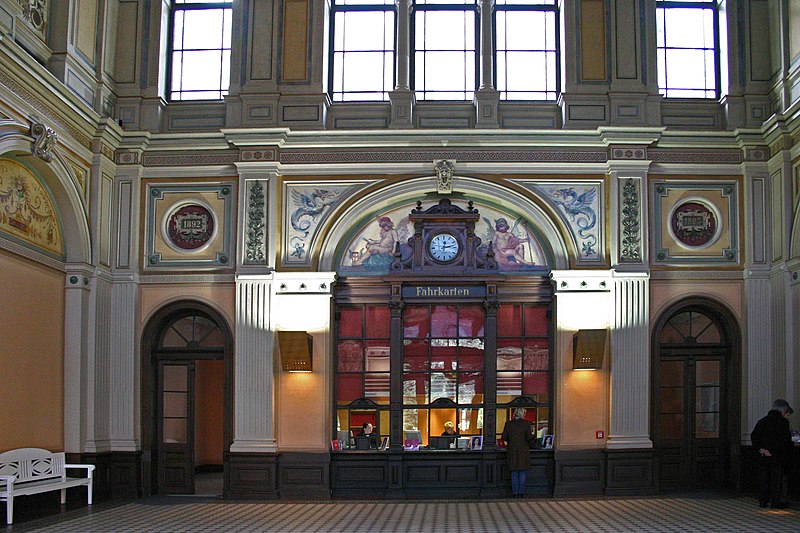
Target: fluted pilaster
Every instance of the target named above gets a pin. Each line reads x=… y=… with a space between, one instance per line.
x=254 y=426
x=630 y=364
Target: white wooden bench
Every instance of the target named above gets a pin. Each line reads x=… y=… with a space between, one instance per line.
x=28 y=471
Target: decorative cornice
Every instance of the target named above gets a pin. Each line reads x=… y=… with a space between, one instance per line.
x=756 y=153
x=169 y=159
x=696 y=274
x=45 y=110
x=28 y=253
x=709 y=157
x=186 y=278
x=527 y=156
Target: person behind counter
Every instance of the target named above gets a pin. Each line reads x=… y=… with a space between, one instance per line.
x=449 y=430
x=367 y=438
x=518 y=433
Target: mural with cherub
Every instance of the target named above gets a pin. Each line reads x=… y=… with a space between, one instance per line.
x=514 y=240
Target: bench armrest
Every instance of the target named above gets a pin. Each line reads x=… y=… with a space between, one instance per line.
x=6 y=482
x=89 y=468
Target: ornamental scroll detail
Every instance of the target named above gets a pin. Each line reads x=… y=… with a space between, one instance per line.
x=255 y=243
x=46 y=140
x=35 y=12
x=631 y=237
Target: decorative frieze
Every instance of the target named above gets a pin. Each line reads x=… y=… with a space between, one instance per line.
x=527 y=156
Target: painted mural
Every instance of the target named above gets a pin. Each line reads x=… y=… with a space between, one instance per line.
x=370 y=251
x=26 y=209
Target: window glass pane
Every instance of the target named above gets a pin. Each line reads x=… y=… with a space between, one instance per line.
x=706 y=426
x=470 y=321
x=443 y=321
x=443 y=385
x=376 y=387
x=509 y=354
x=175 y=378
x=378 y=356
x=350 y=354
x=537 y=385
x=671 y=400
x=470 y=421
x=536 y=321
x=415 y=389
x=175 y=404
x=415 y=355
x=378 y=322
x=175 y=430
x=349 y=388
x=509 y=321
x=670 y=426
x=536 y=355
x=470 y=388
x=350 y=322
x=202 y=29
x=470 y=358
x=671 y=373
x=444 y=354
x=416 y=323
x=688 y=28
x=509 y=386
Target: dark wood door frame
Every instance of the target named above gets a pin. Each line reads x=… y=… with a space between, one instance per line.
x=149 y=384
x=731 y=396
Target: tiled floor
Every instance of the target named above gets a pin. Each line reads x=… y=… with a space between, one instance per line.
x=681 y=513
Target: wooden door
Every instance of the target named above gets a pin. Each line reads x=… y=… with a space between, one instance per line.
x=690 y=437
x=176 y=427
x=695 y=396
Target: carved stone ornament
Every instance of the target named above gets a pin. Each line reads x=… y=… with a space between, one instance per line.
x=46 y=140
x=631 y=240
x=256 y=227
x=35 y=12
x=444 y=175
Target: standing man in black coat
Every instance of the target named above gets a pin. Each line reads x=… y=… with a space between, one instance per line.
x=772 y=438
x=518 y=433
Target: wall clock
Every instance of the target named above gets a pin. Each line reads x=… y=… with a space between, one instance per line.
x=443 y=247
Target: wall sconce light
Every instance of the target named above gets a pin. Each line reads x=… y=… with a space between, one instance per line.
x=588 y=349
x=296 y=349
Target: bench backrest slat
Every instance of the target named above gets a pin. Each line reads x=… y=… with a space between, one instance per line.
x=30 y=464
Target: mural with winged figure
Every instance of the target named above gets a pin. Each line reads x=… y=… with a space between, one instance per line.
x=306 y=207
x=579 y=206
x=370 y=250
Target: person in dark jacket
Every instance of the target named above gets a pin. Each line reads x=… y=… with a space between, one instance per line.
x=772 y=438
x=517 y=433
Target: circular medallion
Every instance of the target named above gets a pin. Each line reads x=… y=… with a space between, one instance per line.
x=443 y=247
x=694 y=224
x=190 y=227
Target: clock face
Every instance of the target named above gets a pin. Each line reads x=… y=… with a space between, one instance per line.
x=443 y=247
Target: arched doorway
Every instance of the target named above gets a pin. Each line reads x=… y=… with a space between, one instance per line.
x=186 y=399
x=695 y=396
